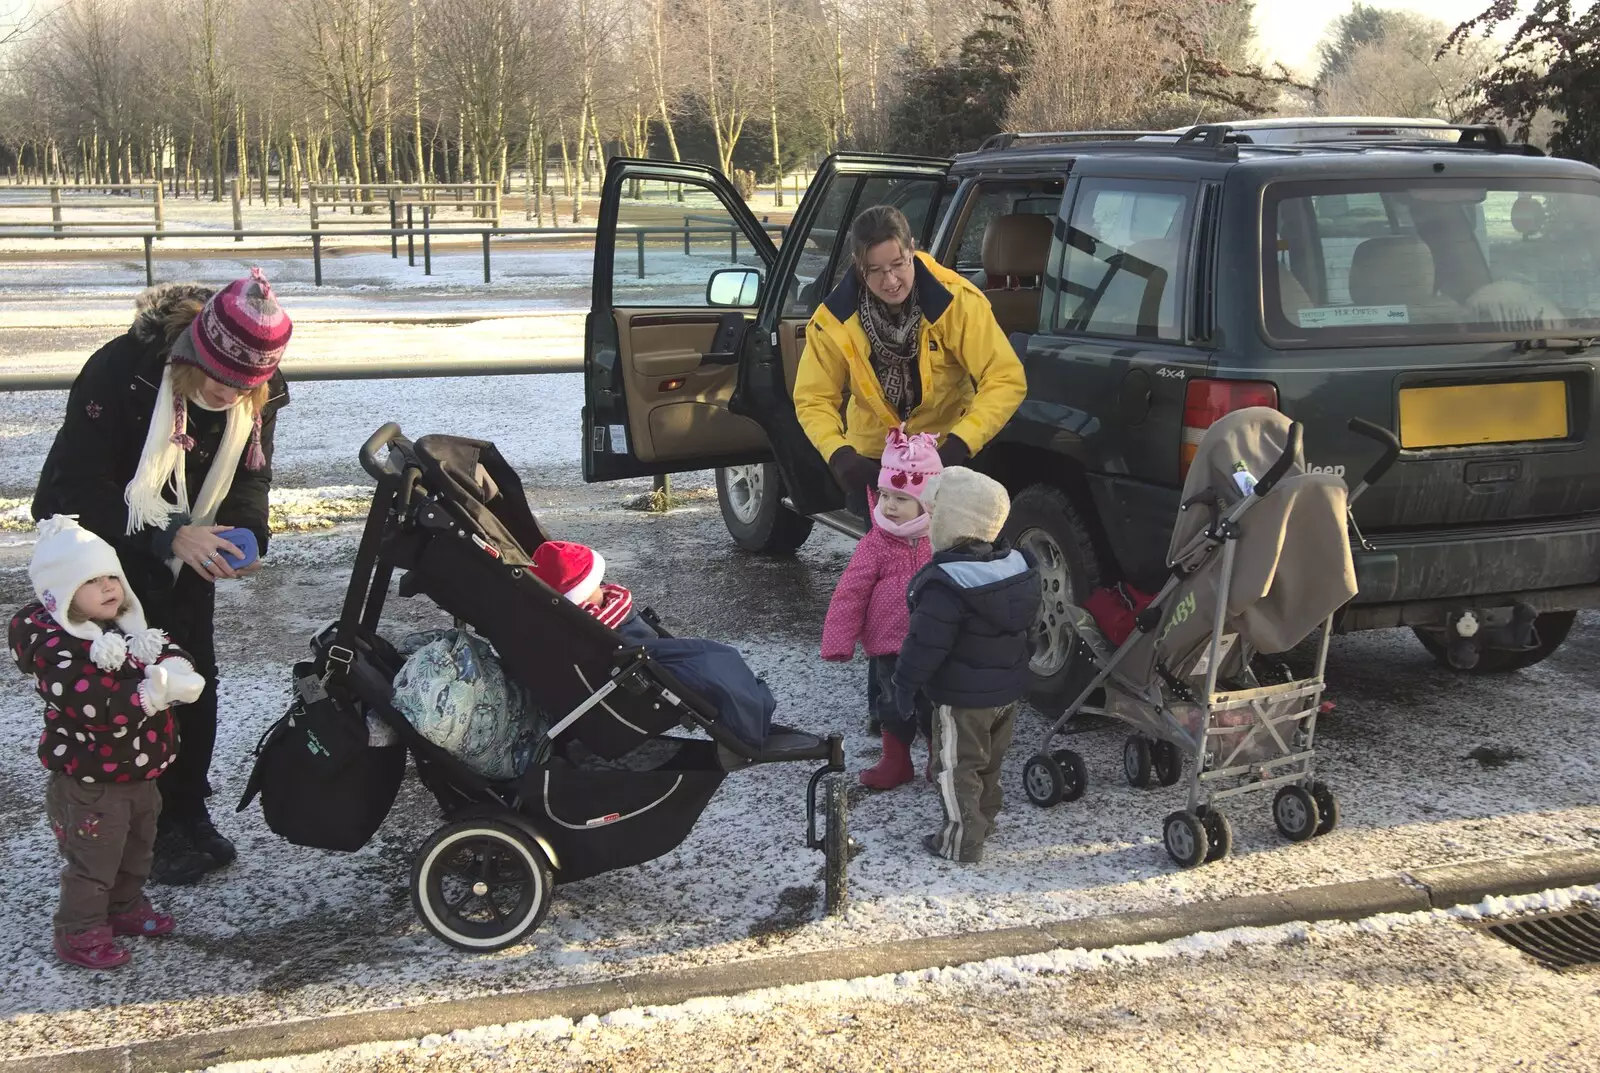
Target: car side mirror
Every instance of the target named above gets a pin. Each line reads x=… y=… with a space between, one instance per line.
x=731 y=288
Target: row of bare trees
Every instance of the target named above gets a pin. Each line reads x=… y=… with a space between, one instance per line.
x=371 y=91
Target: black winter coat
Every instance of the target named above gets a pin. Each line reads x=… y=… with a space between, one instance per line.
x=971 y=611
x=99 y=443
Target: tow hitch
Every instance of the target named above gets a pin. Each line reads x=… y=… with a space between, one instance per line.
x=1468 y=633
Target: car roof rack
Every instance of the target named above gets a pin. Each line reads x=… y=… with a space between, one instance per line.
x=1007 y=139
x=1226 y=138
x=1482 y=136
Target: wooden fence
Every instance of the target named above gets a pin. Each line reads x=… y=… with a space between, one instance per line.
x=367 y=199
x=146 y=198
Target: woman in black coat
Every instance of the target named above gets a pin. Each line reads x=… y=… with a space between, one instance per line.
x=166 y=444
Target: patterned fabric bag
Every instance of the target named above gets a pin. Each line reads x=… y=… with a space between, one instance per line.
x=454 y=691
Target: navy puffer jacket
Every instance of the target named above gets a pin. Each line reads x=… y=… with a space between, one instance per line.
x=971 y=610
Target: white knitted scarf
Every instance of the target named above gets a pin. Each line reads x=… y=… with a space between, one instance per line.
x=161 y=465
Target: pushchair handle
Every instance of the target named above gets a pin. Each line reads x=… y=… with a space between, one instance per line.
x=1392 y=449
x=1291 y=454
x=375 y=443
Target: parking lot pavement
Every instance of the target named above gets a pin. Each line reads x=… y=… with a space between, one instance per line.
x=1386 y=995
x=288 y=932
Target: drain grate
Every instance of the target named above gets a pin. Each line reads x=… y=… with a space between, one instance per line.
x=1560 y=940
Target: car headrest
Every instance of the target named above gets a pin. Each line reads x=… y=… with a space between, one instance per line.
x=1017 y=245
x=1392 y=270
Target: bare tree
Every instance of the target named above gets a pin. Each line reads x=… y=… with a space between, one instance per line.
x=1405 y=75
x=479 y=48
x=1091 y=67
x=341 y=50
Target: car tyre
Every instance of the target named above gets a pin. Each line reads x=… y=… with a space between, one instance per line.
x=751 y=499
x=1048 y=526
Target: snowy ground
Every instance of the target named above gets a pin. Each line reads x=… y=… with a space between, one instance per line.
x=289 y=932
x=1395 y=992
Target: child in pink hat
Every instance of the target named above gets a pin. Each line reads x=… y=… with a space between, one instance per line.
x=869 y=606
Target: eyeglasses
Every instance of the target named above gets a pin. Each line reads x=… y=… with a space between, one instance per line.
x=879 y=271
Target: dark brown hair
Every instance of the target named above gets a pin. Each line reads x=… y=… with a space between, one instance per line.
x=877 y=225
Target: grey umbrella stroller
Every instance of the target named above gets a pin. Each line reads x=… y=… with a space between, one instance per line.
x=1257 y=564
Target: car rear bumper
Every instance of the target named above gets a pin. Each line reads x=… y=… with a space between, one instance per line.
x=1415 y=579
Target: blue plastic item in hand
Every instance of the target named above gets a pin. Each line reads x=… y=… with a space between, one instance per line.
x=245 y=541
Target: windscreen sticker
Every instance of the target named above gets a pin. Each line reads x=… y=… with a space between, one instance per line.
x=1353 y=316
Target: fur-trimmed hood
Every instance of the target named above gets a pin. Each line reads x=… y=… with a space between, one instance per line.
x=159 y=316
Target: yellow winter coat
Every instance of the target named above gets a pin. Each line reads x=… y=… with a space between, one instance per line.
x=972 y=380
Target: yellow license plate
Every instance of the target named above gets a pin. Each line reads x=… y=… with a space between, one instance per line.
x=1469 y=414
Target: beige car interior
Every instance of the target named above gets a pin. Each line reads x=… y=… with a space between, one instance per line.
x=678 y=402
x=1016 y=249
x=1392 y=270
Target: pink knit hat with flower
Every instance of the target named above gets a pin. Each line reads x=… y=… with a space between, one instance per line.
x=239 y=337
x=908 y=464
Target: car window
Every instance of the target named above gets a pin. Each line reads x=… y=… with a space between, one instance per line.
x=922 y=199
x=1042 y=198
x=1379 y=260
x=806 y=290
x=1123 y=267
x=670 y=238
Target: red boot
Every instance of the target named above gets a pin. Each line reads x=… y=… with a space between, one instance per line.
x=92 y=949
x=894 y=769
x=142 y=918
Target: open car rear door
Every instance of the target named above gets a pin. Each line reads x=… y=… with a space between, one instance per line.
x=815 y=254
x=679 y=264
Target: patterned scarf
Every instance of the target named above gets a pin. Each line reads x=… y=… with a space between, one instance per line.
x=895 y=336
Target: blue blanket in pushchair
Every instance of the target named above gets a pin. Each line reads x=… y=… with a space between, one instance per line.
x=715 y=671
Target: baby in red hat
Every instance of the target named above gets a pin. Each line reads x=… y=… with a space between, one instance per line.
x=716 y=671
x=578 y=573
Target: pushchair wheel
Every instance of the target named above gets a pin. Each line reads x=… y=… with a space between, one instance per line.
x=1045 y=781
x=1327 y=807
x=1137 y=762
x=1295 y=812
x=1076 y=773
x=836 y=849
x=1186 y=839
x=1168 y=762
x=1218 y=831
x=480 y=884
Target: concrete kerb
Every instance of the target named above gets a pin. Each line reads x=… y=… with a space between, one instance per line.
x=1419 y=889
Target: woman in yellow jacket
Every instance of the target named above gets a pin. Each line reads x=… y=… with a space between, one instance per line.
x=915 y=344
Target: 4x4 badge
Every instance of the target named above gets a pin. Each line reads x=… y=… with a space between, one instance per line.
x=1172 y=372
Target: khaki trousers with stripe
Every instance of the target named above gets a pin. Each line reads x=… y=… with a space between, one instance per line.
x=969 y=745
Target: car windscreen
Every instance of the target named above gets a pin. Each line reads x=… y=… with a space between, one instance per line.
x=1381 y=262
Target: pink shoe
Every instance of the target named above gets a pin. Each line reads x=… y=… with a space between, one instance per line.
x=142 y=919
x=91 y=949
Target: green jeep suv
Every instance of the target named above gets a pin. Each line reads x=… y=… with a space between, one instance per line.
x=1437 y=281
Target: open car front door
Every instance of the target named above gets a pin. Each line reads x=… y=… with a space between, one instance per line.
x=814 y=257
x=679 y=266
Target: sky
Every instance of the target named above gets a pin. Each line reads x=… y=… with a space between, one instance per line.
x=1288 y=30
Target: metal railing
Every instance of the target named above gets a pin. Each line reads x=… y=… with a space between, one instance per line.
x=641 y=236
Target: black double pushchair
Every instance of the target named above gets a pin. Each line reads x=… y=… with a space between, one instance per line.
x=631 y=757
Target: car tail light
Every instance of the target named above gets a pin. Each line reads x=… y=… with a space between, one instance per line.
x=1207 y=400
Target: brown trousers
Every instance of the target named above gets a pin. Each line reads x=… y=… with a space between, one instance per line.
x=107 y=832
x=969 y=745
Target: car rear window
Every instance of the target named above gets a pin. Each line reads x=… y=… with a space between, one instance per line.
x=1352 y=263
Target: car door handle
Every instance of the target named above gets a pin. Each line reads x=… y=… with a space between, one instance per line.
x=719 y=357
